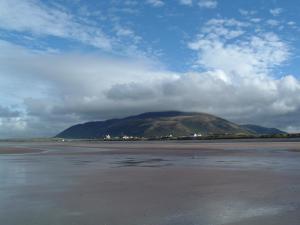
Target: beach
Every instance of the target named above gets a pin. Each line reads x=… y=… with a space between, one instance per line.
x=245 y=182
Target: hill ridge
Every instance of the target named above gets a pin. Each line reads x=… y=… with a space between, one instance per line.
x=158 y=124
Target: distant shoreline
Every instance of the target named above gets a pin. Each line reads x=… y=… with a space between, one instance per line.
x=284 y=137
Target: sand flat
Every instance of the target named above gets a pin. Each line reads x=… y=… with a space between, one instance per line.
x=152 y=183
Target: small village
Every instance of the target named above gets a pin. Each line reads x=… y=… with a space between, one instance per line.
x=195 y=136
x=131 y=138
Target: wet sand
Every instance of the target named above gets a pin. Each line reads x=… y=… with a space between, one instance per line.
x=11 y=150
x=150 y=183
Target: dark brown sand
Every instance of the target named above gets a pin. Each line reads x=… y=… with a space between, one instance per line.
x=152 y=183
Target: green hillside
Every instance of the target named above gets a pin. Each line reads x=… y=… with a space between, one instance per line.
x=156 y=124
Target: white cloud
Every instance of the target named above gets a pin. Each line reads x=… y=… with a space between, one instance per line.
x=255 y=20
x=273 y=23
x=186 y=2
x=276 y=11
x=291 y=23
x=125 y=33
x=156 y=3
x=226 y=22
x=209 y=4
x=248 y=55
x=247 y=12
x=36 y=18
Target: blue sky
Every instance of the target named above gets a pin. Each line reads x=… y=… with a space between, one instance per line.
x=64 y=62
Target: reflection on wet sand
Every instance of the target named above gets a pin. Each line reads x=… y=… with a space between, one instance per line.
x=151 y=183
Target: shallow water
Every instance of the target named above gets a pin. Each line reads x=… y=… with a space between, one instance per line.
x=157 y=183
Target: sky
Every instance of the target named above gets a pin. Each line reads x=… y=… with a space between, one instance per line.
x=64 y=62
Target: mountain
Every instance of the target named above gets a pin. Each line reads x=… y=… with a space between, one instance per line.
x=157 y=124
x=262 y=130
